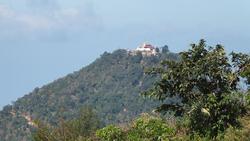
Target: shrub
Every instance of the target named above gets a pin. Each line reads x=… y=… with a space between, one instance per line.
x=110 y=133
x=150 y=128
x=144 y=128
x=215 y=115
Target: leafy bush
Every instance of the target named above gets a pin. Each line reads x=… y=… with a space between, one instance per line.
x=150 y=128
x=110 y=133
x=215 y=115
x=144 y=128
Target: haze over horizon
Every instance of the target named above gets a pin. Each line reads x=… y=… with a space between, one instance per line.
x=42 y=40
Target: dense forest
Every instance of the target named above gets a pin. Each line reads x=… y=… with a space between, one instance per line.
x=111 y=86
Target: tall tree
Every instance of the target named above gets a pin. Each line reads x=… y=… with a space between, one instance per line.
x=204 y=80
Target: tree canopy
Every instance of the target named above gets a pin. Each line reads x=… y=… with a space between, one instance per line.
x=205 y=81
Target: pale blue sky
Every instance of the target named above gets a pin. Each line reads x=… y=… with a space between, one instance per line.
x=42 y=40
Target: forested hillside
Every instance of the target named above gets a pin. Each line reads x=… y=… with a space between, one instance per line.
x=110 y=85
x=207 y=103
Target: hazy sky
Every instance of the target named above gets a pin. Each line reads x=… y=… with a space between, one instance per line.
x=42 y=40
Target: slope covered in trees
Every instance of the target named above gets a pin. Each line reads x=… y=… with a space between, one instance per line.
x=111 y=85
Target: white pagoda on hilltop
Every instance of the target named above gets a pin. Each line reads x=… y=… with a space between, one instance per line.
x=147 y=49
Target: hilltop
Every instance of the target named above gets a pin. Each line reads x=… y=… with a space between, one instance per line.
x=111 y=85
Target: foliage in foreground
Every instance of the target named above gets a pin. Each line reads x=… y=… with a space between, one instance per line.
x=78 y=129
x=144 y=128
x=206 y=82
x=217 y=116
x=151 y=128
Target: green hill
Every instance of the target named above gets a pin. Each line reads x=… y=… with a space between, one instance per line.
x=111 y=85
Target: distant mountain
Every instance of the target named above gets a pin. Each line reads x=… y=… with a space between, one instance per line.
x=111 y=85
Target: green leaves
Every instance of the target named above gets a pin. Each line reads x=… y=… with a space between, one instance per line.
x=204 y=79
x=215 y=115
x=110 y=133
x=144 y=128
x=242 y=64
x=80 y=128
